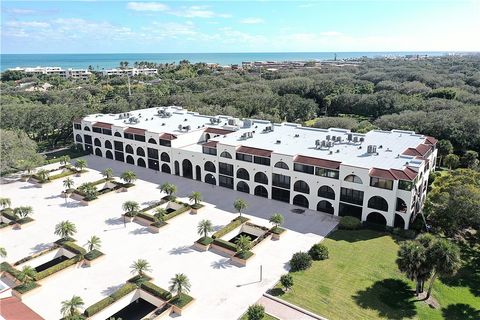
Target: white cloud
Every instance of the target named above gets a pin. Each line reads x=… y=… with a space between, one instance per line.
x=198 y=12
x=330 y=33
x=19 y=11
x=27 y=24
x=252 y=20
x=147 y=6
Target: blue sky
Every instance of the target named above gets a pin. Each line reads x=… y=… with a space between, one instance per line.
x=239 y=26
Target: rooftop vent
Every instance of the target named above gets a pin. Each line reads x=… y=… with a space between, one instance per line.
x=328 y=137
x=278 y=142
x=362 y=139
x=331 y=152
x=163 y=123
x=355 y=139
x=297 y=135
x=371 y=149
x=338 y=151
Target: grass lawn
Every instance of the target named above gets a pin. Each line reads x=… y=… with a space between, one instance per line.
x=360 y=280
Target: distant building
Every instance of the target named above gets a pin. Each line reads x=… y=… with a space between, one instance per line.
x=58 y=71
x=130 y=72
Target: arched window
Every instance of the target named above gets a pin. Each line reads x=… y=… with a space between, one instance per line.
x=130 y=159
x=325 y=206
x=353 y=178
x=97 y=142
x=378 y=203
x=207 y=136
x=108 y=145
x=326 y=192
x=165 y=157
x=109 y=154
x=86 y=128
x=261 y=191
x=377 y=218
x=140 y=152
x=300 y=200
x=118 y=134
x=141 y=163
x=187 y=169
x=401 y=205
x=151 y=140
x=210 y=179
x=128 y=149
x=243 y=187
x=209 y=166
x=225 y=154
x=399 y=222
x=243 y=174
x=281 y=165
x=301 y=186
x=98 y=152
x=78 y=138
x=166 y=168
x=261 y=177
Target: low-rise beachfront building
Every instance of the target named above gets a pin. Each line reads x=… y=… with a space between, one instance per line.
x=380 y=176
x=130 y=72
x=57 y=71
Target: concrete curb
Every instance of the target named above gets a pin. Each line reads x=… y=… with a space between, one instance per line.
x=308 y=313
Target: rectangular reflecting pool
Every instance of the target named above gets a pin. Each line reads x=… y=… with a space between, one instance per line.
x=251 y=236
x=170 y=210
x=51 y=263
x=136 y=310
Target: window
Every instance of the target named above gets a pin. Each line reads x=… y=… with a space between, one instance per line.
x=327 y=173
x=401 y=205
x=300 y=201
x=86 y=128
x=77 y=126
x=261 y=177
x=405 y=185
x=119 y=156
x=378 y=203
x=97 y=142
x=326 y=192
x=281 y=194
x=165 y=143
x=118 y=134
x=244 y=157
x=261 y=191
x=301 y=186
x=139 y=138
x=381 y=183
x=209 y=166
x=279 y=180
x=225 y=154
x=243 y=174
x=352 y=196
x=152 y=153
x=140 y=152
x=165 y=157
x=303 y=168
x=152 y=141
x=108 y=144
x=153 y=164
x=281 y=165
x=353 y=178
x=226 y=182
x=118 y=145
x=108 y=132
x=78 y=138
x=325 y=206
x=87 y=138
x=261 y=160
x=128 y=135
x=97 y=130
x=225 y=168
x=211 y=151
x=128 y=149
x=243 y=187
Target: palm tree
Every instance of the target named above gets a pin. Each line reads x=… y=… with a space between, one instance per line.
x=68 y=184
x=80 y=164
x=65 y=229
x=196 y=197
x=43 y=175
x=240 y=205
x=160 y=214
x=65 y=159
x=94 y=243
x=411 y=260
x=107 y=174
x=140 y=267
x=243 y=244
x=70 y=307
x=169 y=188
x=22 y=212
x=204 y=227
x=3 y=252
x=179 y=284
x=5 y=203
x=131 y=208
x=27 y=274
x=128 y=176
x=89 y=190
x=276 y=219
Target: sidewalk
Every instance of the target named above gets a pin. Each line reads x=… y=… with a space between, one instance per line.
x=284 y=312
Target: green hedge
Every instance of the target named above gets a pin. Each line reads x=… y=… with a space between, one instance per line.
x=36 y=255
x=235 y=223
x=67 y=173
x=225 y=244
x=146 y=216
x=153 y=206
x=25 y=220
x=156 y=291
x=245 y=255
x=23 y=288
x=92 y=255
x=105 y=302
x=138 y=279
x=177 y=212
x=8 y=213
x=181 y=301
x=205 y=241
x=277 y=230
x=123 y=291
x=349 y=223
x=6 y=267
x=73 y=247
x=54 y=269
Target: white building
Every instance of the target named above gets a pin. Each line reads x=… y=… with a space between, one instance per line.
x=380 y=176
x=70 y=73
x=130 y=72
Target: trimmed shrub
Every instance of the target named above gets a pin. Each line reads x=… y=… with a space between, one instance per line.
x=349 y=223
x=156 y=291
x=300 y=261
x=181 y=301
x=318 y=252
x=237 y=222
x=277 y=230
x=244 y=255
x=70 y=246
x=225 y=244
x=123 y=291
x=205 y=241
x=92 y=255
x=145 y=216
x=138 y=279
x=25 y=287
x=25 y=220
x=53 y=269
x=177 y=212
x=255 y=312
x=98 y=306
x=8 y=213
x=287 y=281
x=6 y=267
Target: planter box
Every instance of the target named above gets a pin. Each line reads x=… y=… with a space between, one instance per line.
x=121 y=190
x=241 y=262
x=142 y=221
x=277 y=236
x=179 y=311
x=165 y=313
x=127 y=218
x=222 y=250
x=195 y=211
x=24 y=178
x=201 y=247
x=89 y=263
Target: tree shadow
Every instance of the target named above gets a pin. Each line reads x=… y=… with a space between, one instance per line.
x=221 y=264
x=356 y=235
x=217 y=227
x=53 y=197
x=40 y=247
x=460 y=311
x=111 y=289
x=180 y=250
x=114 y=221
x=276 y=292
x=140 y=231
x=392 y=298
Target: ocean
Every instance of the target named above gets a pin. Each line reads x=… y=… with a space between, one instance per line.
x=109 y=60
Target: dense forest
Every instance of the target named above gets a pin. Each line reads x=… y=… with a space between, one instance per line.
x=435 y=96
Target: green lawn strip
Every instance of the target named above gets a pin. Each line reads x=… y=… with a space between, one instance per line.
x=266 y=317
x=361 y=280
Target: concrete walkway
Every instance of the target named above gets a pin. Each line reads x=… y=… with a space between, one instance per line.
x=284 y=311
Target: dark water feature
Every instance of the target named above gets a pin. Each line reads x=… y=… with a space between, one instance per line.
x=136 y=310
x=251 y=236
x=51 y=263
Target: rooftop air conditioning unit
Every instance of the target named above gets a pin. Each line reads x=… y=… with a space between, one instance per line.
x=323 y=143
x=328 y=137
x=349 y=137
x=180 y=127
x=371 y=149
x=362 y=139
x=317 y=143
x=339 y=139
x=279 y=141
x=355 y=139
x=334 y=138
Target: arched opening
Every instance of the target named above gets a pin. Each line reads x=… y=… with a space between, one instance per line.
x=141 y=163
x=345 y=209
x=198 y=173
x=108 y=145
x=187 y=169
x=301 y=186
x=128 y=149
x=151 y=140
x=78 y=138
x=86 y=128
x=243 y=174
x=140 y=152
x=378 y=203
x=242 y=186
x=98 y=152
x=166 y=168
x=399 y=222
x=207 y=136
x=177 y=168
x=401 y=205
x=165 y=157
x=281 y=165
x=325 y=206
x=326 y=192
x=225 y=154
x=109 y=154
x=210 y=179
x=300 y=201
x=209 y=166
x=118 y=134
x=261 y=177
x=353 y=178
x=377 y=218
x=130 y=159
x=97 y=142
x=261 y=191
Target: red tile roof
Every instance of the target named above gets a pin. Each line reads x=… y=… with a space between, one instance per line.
x=217 y=131
x=255 y=151
x=210 y=144
x=13 y=308
x=431 y=140
x=381 y=173
x=420 y=150
x=135 y=131
x=102 y=125
x=168 y=136
x=406 y=174
x=317 y=162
